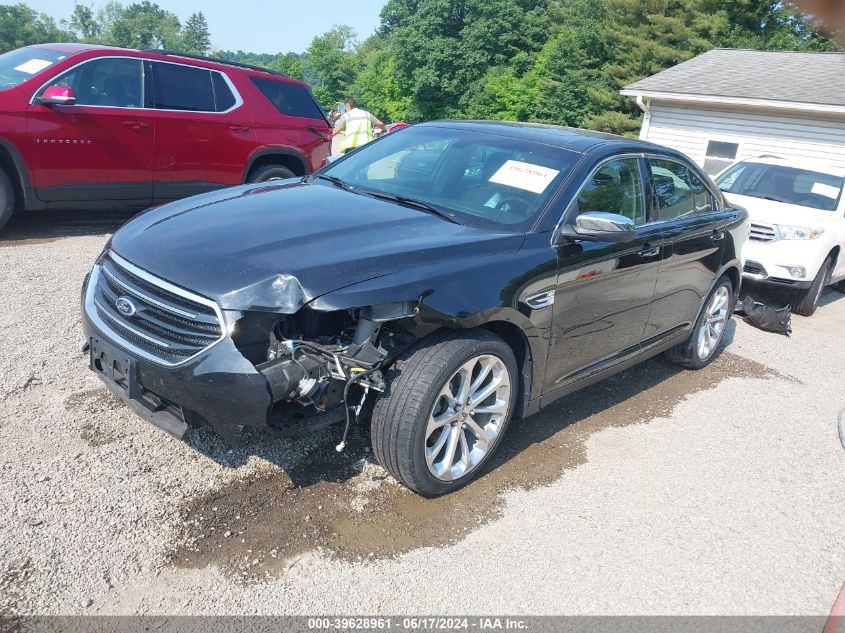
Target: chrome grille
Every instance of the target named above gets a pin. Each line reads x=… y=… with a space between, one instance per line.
x=169 y=325
x=763 y=232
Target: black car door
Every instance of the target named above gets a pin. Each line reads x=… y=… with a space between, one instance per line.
x=604 y=290
x=694 y=229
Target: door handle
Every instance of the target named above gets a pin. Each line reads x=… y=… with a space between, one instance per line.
x=239 y=128
x=649 y=251
x=136 y=125
x=718 y=235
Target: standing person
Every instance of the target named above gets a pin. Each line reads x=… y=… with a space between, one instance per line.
x=356 y=125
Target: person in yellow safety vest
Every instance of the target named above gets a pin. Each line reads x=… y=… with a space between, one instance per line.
x=356 y=125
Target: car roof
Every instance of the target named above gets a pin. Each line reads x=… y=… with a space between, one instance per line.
x=573 y=139
x=72 y=47
x=804 y=164
x=167 y=55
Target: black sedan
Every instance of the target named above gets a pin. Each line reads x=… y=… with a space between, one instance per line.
x=440 y=281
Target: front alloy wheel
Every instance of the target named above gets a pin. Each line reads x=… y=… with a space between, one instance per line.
x=467 y=417
x=445 y=411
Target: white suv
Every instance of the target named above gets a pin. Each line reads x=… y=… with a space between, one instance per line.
x=797 y=214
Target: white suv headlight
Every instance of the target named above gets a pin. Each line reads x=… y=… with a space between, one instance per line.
x=798 y=232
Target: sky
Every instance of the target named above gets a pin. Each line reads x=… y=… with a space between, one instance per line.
x=268 y=26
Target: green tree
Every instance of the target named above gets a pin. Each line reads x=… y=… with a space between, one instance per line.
x=83 y=22
x=570 y=69
x=139 y=25
x=376 y=87
x=444 y=48
x=289 y=64
x=21 y=26
x=331 y=64
x=503 y=95
x=196 y=37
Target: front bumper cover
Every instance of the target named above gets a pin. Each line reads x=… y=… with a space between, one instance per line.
x=219 y=386
x=769 y=262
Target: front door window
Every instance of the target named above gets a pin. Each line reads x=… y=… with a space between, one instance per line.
x=110 y=82
x=616 y=187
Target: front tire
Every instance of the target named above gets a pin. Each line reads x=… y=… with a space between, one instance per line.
x=808 y=300
x=7 y=199
x=700 y=348
x=447 y=408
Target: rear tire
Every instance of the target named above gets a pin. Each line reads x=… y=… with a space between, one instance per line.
x=434 y=428
x=271 y=172
x=808 y=300
x=700 y=348
x=7 y=199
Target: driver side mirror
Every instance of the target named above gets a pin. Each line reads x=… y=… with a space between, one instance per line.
x=57 y=95
x=598 y=226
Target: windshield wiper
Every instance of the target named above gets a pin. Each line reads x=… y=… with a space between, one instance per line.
x=412 y=202
x=337 y=182
x=763 y=197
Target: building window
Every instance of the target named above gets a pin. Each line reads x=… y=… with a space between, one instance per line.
x=720 y=156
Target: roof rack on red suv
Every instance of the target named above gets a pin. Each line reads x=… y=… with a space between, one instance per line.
x=216 y=60
x=97 y=126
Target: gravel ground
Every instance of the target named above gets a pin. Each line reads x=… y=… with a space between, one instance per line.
x=656 y=492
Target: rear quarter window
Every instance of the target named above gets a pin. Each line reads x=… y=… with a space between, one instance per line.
x=223 y=97
x=288 y=98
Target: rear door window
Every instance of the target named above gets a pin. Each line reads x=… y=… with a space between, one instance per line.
x=673 y=195
x=288 y=98
x=180 y=87
x=701 y=195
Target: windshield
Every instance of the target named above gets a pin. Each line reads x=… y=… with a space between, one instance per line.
x=479 y=179
x=802 y=187
x=25 y=63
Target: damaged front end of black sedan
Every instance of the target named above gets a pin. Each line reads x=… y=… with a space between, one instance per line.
x=286 y=368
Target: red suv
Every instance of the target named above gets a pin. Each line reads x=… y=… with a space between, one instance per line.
x=92 y=126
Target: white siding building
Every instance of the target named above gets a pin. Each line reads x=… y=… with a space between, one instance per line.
x=727 y=105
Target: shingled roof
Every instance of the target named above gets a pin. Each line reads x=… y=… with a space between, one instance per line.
x=792 y=77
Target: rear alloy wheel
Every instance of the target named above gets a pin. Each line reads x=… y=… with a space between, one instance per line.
x=7 y=199
x=446 y=410
x=271 y=172
x=713 y=326
x=808 y=300
x=701 y=347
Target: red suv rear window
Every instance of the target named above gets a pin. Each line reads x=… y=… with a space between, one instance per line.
x=289 y=99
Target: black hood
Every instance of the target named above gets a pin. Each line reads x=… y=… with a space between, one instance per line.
x=241 y=245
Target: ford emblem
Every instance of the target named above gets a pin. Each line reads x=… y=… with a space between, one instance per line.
x=126 y=306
